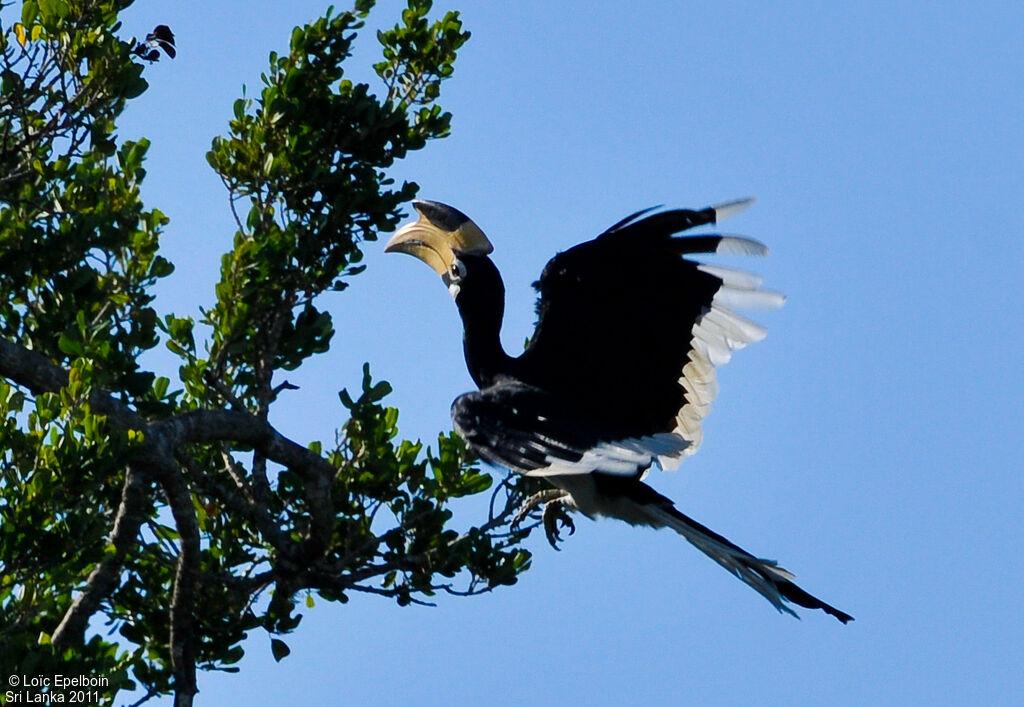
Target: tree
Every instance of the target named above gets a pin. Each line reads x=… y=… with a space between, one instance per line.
x=146 y=527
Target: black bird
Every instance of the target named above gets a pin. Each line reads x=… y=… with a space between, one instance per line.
x=160 y=38
x=619 y=372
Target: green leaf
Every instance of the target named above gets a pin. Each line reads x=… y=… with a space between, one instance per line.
x=475 y=483
x=134 y=86
x=346 y=399
x=279 y=648
x=72 y=347
x=160 y=387
x=307 y=165
x=378 y=392
x=29 y=12
x=50 y=10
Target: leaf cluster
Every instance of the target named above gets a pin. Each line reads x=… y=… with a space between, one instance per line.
x=305 y=165
x=79 y=250
x=165 y=506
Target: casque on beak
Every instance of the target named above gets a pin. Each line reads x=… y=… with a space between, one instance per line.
x=439 y=236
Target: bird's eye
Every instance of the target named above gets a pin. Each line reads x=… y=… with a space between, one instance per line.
x=458 y=271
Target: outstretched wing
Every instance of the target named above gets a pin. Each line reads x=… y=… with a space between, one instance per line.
x=630 y=330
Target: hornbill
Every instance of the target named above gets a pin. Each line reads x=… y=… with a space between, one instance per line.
x=619 y=372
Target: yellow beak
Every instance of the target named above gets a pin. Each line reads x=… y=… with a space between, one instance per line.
x=439 y=236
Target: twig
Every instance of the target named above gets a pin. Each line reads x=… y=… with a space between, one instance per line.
x=145 y=698
x=225 y=392
x=229 y=425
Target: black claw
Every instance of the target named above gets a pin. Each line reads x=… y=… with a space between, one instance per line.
x=554 y=516
x=553 y=537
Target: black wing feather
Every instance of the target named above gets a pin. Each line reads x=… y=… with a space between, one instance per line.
x=518 y=426
x=530 y=430
x=615 y=319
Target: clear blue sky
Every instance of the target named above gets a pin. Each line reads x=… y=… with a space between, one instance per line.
x=872 y=444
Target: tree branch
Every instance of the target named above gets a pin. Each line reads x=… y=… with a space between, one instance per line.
x=34 y=371
x=30 y=369
x=241 y=502
x=230 y=425
x=186 y=580
x=104 y=578
x=40 y=375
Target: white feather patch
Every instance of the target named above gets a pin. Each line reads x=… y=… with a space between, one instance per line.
x=626 y=457
x=714 y=347
x=741 y=245
x=735 y=329
x=699 y=388
x=740 y=279
x=739 y=289
x=715 y=335
x=730 y=208
x=733 y=297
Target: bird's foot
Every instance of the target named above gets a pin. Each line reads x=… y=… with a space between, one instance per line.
x=545 y=496
x=555 y=516
x=555 y=513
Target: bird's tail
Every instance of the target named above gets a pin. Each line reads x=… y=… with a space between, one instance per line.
x=765 y=576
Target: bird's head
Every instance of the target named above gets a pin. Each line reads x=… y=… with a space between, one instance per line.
x=440 y=237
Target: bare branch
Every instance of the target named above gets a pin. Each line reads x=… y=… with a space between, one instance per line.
x=388 y=593
x=130 y=515
x=240 y=500
x=186 y=580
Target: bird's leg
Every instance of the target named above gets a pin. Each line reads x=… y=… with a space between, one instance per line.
x=555 y=503
x=555 y=513
x=545 y=496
